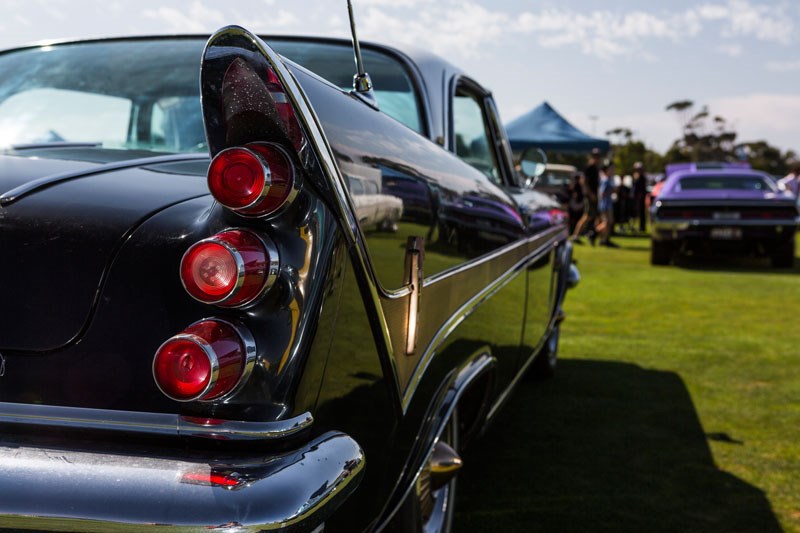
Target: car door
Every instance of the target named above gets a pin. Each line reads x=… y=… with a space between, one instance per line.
x=475 y=140
x=541 y=239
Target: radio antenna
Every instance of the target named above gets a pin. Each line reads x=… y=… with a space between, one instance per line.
x=362 y=84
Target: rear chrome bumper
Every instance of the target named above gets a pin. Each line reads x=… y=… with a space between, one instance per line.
x=55 y=489
x=689 y=223
x=763 y=231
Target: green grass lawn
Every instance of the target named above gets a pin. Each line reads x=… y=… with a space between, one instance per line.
x=676 y=406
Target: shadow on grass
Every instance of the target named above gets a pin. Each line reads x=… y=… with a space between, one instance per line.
x=731 y=263
x=629 y=248
x=603 y=446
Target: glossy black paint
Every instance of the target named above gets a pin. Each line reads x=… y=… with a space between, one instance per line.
x=333 y=334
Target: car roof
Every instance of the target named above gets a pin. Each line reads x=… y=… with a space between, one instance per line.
x=704 y=165
x=429 y=70
x=675 y=177
x=734 y=172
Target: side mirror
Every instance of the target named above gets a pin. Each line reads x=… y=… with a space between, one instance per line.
x=532 y=165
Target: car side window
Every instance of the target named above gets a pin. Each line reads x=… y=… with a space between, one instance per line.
x=473 y=141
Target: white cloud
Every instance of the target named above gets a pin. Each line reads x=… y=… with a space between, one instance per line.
x=197 y=19
x=766 y=23
x=732 y=50
x=465 y=26
x=603 y=33
x=440 y=28
x=392 y=3
x=783 y=66
x=773 y=117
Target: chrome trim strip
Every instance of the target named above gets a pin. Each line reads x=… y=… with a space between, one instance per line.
x=554 y=319
x=491 y=256
x=503 y=396
x=153 y=424
x=469 y=306
x=9 y=197
x=678 y=224
x=776 y=202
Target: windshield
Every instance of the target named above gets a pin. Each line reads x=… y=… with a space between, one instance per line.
x=144 y=94
x=738 y=183
x=556 y=178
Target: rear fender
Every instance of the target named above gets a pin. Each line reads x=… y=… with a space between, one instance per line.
x=249 y=94
x=452 y=391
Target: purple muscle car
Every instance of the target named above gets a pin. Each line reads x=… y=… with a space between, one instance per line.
x=723 y=208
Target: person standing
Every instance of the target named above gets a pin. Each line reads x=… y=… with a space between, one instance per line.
x=791 y=182
x=591 y=183
x=640 y=194
x=606 y=205
x=575 y=204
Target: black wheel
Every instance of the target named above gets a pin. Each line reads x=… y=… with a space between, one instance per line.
x=783 y=255
x=544 y=365
x=660 y=253
x=429 y=507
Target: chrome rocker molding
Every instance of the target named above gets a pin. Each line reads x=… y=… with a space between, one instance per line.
x=153 y=424
x=296 y=490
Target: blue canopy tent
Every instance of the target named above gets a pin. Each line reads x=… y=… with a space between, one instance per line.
x=544 y=128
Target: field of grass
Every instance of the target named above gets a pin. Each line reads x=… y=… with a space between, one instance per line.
x=676 y=406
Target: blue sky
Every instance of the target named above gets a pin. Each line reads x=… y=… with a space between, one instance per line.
x=622 y=61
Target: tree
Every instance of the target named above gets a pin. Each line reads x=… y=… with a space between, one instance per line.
x=627 y=150
x=705 y=137
x=768 y=158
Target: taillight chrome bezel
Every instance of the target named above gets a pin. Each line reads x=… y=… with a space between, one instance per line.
x=248 y=345
x=213 y=361
x=260 y=151
x=271 y=269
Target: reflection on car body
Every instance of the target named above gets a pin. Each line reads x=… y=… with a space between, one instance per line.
x=293 y=342
x=373 y=209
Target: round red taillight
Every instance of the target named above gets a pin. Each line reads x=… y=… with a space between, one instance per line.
x=209 y=360
x=229 y=269
x=254 y=180
x=237 y=177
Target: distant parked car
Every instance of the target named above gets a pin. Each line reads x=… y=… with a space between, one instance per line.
x=723 y=208
x=555 y=180
x=374 y=210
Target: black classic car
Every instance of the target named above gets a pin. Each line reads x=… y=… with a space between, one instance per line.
x=200 y=331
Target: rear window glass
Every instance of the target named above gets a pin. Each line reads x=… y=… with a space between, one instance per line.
x=738 y=183
x=392 y=85
x=556 y=177
x=145 y=95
